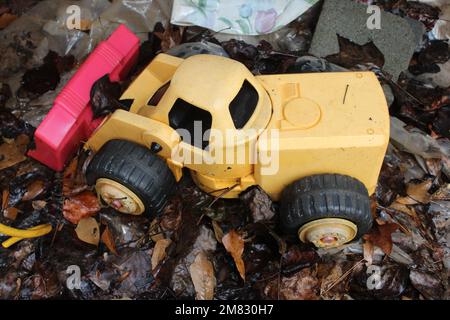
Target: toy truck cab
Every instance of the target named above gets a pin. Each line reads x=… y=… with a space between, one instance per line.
x=324 y=136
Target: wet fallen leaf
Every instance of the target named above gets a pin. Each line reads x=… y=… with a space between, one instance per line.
x=88 y=231
x=259 y=203
x=296 y=258
x=105 y=96
x=429 y=285
x=218 y=232
x=81 y=206
x=443 y=194
x=45 y=77
x=352 y=54
x=302 y=285
x=202 y=274
x=85 y=25
x=333 y=283
x=419 y=192
x=108 y=240
x=34 y=189
x=73 y=181
x=5 y=198
x=6 y=19
x=39 y=204
x=403 y=208
x=159 y=252
x=381 y=236
x=155 y=231
x=234 y=244
x=11 y=213
x=171 y=37
x=11 y=154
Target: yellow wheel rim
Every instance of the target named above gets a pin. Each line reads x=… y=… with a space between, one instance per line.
x=119 y=197
x=328 y=232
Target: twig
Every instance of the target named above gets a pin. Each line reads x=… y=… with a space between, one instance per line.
x=345 y=275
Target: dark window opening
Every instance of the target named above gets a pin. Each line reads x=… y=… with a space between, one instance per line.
x=126 y=103
x=158 y=95
x=243 y=105
x=184 y=115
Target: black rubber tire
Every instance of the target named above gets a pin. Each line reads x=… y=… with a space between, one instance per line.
x=138 y=169
x=325 y=196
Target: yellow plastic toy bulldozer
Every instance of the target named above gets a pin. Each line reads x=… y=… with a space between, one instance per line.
x=314 y=142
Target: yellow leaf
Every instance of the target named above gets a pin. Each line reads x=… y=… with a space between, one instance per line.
x=88 y=231
x=203 y=278
x=234 y=244
x=159 y=251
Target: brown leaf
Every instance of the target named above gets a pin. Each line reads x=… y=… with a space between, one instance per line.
x=88 y=231
x=443 y=194
x=203 y=278
x=381 y=236
x=11 y=154
x=159 y=252
x=333 y=283
x=218 y=232
x=419 y=192
x=402 y=208
x=6 y=19
x=85 y=25
x=5 y=198
x=170 y=38
x=302 y=285
x=11 y=213
x=73 y=182
x=155 y=231
x=81 y=206
x=38 y=204
x=34 y=189
x=259 y=203
x=234 y=244
x=108 y=240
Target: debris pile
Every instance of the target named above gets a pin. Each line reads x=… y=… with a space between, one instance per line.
x=207 y=248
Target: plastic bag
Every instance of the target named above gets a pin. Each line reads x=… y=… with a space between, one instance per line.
x=244 y=17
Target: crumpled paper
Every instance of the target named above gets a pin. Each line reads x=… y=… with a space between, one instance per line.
x=244 y=17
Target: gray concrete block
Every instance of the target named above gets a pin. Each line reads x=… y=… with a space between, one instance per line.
x=397 y=39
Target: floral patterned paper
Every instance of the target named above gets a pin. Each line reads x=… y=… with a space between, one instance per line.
x=247 y=17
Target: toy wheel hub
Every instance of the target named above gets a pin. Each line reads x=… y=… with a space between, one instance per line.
x=328 y=232
x=119 y=197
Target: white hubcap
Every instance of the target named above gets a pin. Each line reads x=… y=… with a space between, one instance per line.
x=119 y=197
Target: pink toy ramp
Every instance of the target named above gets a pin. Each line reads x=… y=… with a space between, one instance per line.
x=70 y=121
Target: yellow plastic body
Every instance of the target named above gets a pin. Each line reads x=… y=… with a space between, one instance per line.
x=325 y=123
